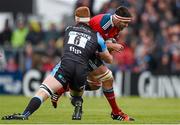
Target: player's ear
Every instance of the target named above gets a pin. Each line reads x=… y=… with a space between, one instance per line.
x=114 y=20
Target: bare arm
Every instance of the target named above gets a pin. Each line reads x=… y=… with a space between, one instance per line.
x=106 y=56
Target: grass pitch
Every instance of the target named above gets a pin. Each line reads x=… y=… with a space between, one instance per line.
x=96 y=111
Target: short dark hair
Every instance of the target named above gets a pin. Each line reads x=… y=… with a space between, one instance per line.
x=123 y=12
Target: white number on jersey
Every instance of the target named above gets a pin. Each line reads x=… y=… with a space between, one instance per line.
x=78 y=39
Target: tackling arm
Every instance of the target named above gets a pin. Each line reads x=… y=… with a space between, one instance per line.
x=114 y=46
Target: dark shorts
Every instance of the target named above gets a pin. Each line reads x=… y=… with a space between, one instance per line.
x=72 y=74
x=94 y=63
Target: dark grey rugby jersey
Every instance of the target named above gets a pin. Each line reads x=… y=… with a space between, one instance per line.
x=81 y=42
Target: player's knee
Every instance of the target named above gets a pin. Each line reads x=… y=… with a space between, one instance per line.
x=93 y=87
x=107 y=85
x=42 y=95
x=47 y=90
x=90 y=87
x=105 y=76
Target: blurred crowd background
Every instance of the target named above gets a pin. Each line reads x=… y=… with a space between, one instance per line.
x=152 y=38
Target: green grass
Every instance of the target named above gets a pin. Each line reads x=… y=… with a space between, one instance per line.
x=96 y=111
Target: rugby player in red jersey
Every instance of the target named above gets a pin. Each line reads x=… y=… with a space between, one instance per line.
x=109 y=26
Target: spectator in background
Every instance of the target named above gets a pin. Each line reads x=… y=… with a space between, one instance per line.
x=112 y=6
x=176 y=60
x=28 y=61
x=59 y=42
x=165 y=63
x=125 y=60
x=5 y=35
x=104 y=8
x=174 y=46
x=87 y=3
x=2 y=59
x=11 y=65
x=52 y=33
x=19 y=35
x=35 y=34
x=47 y=63
x=144 y=52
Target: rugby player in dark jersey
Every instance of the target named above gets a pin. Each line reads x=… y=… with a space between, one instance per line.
x=80 y=44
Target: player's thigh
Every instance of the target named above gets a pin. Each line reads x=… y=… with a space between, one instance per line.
x=79 y=78
x=52 y=83
x=56 y=80
x=102 y=73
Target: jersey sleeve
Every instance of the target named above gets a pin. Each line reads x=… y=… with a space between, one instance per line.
x=102 y=46
x=106 y=22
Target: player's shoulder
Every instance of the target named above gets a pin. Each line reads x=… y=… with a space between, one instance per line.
x=106 y=17
x=102 y=19
x=68 y=27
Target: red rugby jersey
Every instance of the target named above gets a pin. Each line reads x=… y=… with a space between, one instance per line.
x=103 y=24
